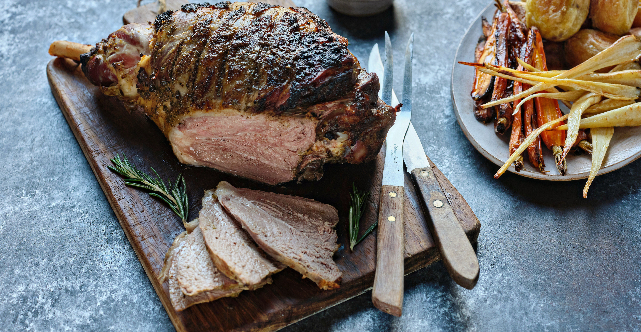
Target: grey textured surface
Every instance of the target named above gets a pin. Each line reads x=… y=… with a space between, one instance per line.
x=550 y=260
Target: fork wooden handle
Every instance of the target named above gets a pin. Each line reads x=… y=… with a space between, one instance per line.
x=387 y=294
x=456 y=250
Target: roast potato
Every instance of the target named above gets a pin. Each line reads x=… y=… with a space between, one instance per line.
x=613 y=16
x=557 y=20
x=585 y=44
x=555 y=55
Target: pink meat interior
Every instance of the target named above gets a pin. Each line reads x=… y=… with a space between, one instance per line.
x=253 y=146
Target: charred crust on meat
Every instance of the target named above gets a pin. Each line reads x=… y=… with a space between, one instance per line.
x=85 y=57
x=163 y=19
x=260 y=7
x=330 y=135
x=221 y=5
x=144 y=82
x=192 y=7
x=322 y=24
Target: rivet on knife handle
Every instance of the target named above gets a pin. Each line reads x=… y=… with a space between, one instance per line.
x=457 y=252
x=390 y=248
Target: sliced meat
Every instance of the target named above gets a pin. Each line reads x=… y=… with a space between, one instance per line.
x=192 y=276
x=230 y=248
x=296 y=231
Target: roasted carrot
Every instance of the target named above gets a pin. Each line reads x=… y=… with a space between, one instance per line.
x=516 y=138
x=522 y=49
x=526 y=143
x=487 y=27
x=548 y=109
x=503 y=119
x=518 y=33
x=581 y=136
x=534 y=151
x=483 y=83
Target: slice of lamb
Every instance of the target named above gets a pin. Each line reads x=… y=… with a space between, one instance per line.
x=194 y=279
x=230 y=248
x=296 y=231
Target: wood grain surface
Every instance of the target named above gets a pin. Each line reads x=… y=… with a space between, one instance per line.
x=387 y=293
x=456 y=251
x=104 y=128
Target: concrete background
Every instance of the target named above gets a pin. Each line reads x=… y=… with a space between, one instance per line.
x=550 y=260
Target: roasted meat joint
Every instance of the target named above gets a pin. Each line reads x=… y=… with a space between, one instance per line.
x=255 y=90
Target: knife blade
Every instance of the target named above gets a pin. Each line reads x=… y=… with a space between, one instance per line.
x=458 y=255
x=387 y=293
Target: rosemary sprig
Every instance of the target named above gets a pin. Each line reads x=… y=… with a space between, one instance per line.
x=355 y=212
x=175 y=195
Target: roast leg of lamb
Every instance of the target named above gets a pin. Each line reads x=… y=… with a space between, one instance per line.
x=259 y=91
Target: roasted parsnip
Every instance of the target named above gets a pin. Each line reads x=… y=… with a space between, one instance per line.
x=600 y=141
x=574 y=117
x=626 y=116
x=626 y=49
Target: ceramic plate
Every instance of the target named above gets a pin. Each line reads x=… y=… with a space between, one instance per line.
x=625 y=146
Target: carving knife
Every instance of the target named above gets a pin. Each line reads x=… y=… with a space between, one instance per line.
x=387 y=294
x=457 y=252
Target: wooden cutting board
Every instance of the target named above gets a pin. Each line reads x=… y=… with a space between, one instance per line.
x=104 y=128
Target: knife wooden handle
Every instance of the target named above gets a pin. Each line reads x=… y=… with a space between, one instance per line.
x=456 y=250
x=387 y=294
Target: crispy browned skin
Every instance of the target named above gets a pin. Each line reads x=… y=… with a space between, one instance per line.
x=239 y=56
x=519 y=48
x=523 y=50
x=483 y=83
